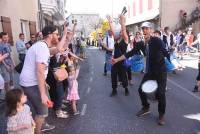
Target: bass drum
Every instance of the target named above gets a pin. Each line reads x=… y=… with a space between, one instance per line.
x=149 y=87
x=170 y=66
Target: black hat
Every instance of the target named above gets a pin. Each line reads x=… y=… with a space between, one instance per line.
x=48 y=30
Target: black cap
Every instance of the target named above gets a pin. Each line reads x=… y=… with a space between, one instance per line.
x=48 y=30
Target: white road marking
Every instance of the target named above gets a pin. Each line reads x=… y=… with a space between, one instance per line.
x=92 y=72
x=83 y=111
x=88 y=90
x=184 y=89
x=91 y=79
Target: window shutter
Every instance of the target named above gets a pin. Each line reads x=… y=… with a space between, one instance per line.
x=32 y=27
x=6 y=26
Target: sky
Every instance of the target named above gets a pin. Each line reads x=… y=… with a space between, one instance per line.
x=103 y=7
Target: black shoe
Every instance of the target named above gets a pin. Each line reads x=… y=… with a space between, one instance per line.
x=105 y=74
x=195 y=89
x=143 y=112
x=126 y=92
x=174 y=72
x=114 y=93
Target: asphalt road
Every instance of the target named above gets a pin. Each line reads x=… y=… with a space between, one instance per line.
x=101 y=114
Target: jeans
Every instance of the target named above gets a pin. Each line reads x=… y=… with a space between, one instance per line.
x=59 y=95
x=107 y=66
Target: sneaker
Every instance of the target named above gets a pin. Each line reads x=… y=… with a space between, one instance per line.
x=195 y=89
x=104 y=74
x=47 y=127
x=161 y=121
x=143 y=112
x=64 y=112
x=63 y=106
x=61 y=114
x=76 y=113
x=65 y=101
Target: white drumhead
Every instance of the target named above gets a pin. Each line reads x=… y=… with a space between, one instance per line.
x=149 y=86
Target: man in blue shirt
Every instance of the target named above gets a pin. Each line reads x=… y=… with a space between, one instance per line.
x=7 y=66
x=21 y=47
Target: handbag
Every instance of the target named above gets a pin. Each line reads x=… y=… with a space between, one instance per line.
x=60 y=74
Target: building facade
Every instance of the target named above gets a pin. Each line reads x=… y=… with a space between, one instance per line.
x=29 y=17
x=51 y=12
x=161 y=12
x=18 y=17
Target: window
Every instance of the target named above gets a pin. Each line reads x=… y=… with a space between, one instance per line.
x=25 y=29
x=1 y=28
x=32 y=27
x=6 y=27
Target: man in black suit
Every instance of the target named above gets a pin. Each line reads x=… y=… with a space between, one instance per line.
x=155 y=70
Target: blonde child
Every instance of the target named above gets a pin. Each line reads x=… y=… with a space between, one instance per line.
x=73 y=88
x=20 y=120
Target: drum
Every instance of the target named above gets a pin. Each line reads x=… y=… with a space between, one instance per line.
x=137 y=63
x=149 y=87
x=170 y=66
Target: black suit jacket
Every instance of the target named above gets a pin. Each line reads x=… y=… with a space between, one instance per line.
x=157 y=54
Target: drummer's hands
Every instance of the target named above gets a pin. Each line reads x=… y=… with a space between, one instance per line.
x=113 y=61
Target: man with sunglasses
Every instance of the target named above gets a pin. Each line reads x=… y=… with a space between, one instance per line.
x=35 y=69
x=155 y=70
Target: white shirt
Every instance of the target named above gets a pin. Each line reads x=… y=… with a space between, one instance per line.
x=198 y=37
x=111 y=42
x=38 y=53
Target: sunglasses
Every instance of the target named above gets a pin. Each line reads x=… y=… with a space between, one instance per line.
x=56 y=34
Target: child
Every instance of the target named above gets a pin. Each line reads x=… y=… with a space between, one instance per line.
x=73 y=88
x=20 y=120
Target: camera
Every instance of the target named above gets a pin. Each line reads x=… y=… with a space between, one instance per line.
x=124 y=11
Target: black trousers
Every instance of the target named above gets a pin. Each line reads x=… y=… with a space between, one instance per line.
x=129 y=74
x=22 y=57
x=161 y=79
x=119 y=71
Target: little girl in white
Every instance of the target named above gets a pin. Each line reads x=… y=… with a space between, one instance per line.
x=20 y=120
x=73 y=87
